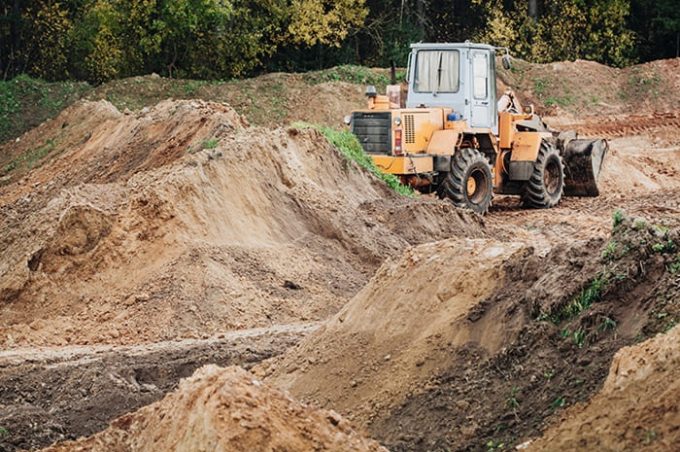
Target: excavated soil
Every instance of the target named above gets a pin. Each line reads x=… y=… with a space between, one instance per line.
x=52 y=394
x=637 y=408
x=226 y=409
x=140 y=246
x=464 y=345
x=137 y=230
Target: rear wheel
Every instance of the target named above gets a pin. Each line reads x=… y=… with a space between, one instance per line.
x=469 y=183
x=545 y=187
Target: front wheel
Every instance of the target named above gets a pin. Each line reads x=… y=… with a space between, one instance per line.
x=545 y=187
x=468 y=184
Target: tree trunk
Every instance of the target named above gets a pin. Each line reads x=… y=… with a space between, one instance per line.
x=533 y=9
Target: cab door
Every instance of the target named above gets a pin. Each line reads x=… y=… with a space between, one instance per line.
x=482 y=112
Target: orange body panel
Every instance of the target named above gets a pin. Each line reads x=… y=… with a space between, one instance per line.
x=525 y=146
x=443 y=142
x=400 y=165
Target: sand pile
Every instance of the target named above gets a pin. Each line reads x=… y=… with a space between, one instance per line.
x=400 y=329
x=637 y=409
x=181 y=222
x=225 y=410
x=464 y=343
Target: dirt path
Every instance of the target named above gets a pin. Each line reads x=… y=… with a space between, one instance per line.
x=54 y=393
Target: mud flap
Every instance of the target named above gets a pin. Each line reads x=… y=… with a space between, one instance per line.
x=582 y=164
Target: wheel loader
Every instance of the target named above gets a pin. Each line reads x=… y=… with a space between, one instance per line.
x=455 y=138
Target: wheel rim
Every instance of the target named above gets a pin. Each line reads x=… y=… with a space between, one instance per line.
x=552 y=177
x=476 y=186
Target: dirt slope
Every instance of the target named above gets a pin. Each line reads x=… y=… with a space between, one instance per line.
x=56 y=393
x=461 y=345
x=226 y=410
x=585 y=88
x=179 y=221
x=637 y=408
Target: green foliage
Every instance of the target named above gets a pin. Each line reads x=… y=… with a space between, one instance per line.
x=30 y=159
x=349 y=73
x=3 y=432
x=565 y=30
x=674 y=267
x=324 y=22
x=609 y=251
x=494 y=445
x=558 y=403
x=607 y=324
x=26 y=102
x=617 y=217
x=579 y=337
x=664 y=247
x=350 y=147
x=512 y=401
x=210 y=143
x=581 y=302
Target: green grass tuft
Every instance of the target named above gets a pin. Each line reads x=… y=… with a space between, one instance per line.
x=350 y=147
x=210 y=143
x=618 y=217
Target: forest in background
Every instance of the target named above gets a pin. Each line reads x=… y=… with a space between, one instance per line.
x=96 y=40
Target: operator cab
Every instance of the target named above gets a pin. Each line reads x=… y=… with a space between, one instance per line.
x=459 y=76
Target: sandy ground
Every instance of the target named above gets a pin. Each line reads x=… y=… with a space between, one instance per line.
x=149 y=244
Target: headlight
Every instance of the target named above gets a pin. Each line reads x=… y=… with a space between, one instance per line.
x=397 y=121
x=347 y=120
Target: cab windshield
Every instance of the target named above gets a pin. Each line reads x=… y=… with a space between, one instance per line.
x=437 y=71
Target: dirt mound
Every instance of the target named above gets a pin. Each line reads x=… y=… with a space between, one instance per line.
x=54 y=394
x=226 y=409
x=463 y=345
x=181 y=222
x=637 y=409
x=586 y=88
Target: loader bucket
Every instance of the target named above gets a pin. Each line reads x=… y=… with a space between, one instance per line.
x=582 y=164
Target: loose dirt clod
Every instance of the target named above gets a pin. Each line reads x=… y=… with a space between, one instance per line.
x=226 y=409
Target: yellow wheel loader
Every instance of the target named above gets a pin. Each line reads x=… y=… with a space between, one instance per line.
x=455 y=138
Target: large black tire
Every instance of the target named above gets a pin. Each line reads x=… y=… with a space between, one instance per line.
x=545 y=187
x=469 y=183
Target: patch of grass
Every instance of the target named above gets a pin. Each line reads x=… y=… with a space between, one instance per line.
x=349 y=146
x=580 y=337
x=353 y=74
x=581 y=302
x=561 y=101
x=494 y=445
x=559 y=402
x=210 y=143
x=618 y=217
x=666 y=247
x=607 y=324
x=674 y=267
x=3 y=432
x=25 y=102
x=540 y=86
x=29 y=159
x=512 y=402
x=609 y=251
x=639 y=224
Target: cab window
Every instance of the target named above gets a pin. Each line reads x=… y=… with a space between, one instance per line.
x=437 y=71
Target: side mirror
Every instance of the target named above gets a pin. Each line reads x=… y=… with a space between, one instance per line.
x=505 y=60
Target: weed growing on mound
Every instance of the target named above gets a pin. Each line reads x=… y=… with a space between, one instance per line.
x=350 y=147
x=353 y=74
